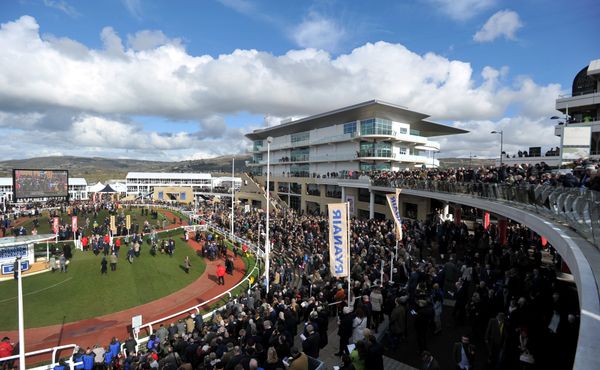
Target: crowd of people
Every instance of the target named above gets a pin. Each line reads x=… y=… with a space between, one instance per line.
x=504 y=295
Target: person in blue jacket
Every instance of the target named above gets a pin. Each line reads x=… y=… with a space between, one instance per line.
x=114 y=347
x=78 y=357
x=88 y=359
x=108 y=359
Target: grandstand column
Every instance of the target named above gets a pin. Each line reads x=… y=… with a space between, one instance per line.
x=343 y=193
x=371 y=204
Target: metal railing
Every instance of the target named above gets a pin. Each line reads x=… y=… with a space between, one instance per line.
x=578 y=207
x=54 y=351
x=148 y=327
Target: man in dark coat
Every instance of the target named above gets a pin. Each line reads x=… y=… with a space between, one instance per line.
x=345 y=329
x=311 y=344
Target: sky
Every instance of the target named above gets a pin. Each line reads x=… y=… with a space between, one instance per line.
x=177 y=80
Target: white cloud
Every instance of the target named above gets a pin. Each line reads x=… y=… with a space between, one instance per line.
x=461 y=10
x=63 y=6
x=319 y=32
x=57 y=84
x=520 y=133
x=504 y=23
x=148 y=39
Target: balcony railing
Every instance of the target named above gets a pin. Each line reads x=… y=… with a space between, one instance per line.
x=578 y=207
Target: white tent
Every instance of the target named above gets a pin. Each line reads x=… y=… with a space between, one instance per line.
x=96 y=188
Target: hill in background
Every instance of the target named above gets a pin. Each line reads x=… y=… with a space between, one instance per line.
x=102 y=169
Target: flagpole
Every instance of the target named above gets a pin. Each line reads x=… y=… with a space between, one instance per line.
x=349 y=254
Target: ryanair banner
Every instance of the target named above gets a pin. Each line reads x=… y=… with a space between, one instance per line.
x=339 y=248
x=393 y=203
x=113 y=225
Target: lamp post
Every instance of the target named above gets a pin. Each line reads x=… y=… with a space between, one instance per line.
x=267 y=241
x=232 y=192
x=501 y=143
x=471 y=156
x=21 y=320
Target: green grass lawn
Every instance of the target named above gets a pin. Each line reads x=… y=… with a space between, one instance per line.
x=136 y=218
x=82 y=293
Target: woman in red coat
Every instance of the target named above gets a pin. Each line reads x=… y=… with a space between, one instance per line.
x=221 y=274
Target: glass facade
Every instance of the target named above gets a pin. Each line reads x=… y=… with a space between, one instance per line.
x=295 y=203
x=313 y=189
x=350 y=127
x=375 y=167
x=299 y=155
x=376 y=126
x=257 y=145
x=415 y=132
x=376 y=149
x=300 y=137
x=300 y=170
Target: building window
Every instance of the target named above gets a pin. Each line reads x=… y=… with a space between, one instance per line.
x=284 y=187
x=313 y=189
x=299 y=137
x=258 y=144
x=295 y=188
x=403 y=130
x=364 y=195
x=350 y=127
x=415 y=132
x=376 y=149
x=333 y=191
x=376 y=126
x=300 y=170
x=375 y=166
x=295 y=203
x=299 y=155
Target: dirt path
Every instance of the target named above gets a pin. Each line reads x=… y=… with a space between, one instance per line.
x=101 y=329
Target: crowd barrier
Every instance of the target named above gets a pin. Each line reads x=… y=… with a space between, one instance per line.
x=53 y=351
x=578 y=207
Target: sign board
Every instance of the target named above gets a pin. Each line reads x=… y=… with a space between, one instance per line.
x=136 y=322
x=74 y=224
x=246 y=208
x=576 y=142
x=9 y=267
x=55 y=225
x=128 y=222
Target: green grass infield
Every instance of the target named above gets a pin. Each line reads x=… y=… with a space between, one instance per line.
x=83 y=293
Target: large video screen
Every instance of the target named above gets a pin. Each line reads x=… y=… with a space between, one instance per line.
x=40 y=183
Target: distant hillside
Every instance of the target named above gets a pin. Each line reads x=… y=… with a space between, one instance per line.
x=465 y=162
x=102 y=169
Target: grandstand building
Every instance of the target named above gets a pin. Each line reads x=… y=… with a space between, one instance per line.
x=317 y=160
x=581 y=111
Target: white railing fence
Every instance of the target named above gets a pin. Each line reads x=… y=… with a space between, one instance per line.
x=53 y=351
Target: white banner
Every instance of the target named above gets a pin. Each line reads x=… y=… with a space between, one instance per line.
x=339 y=248
x=393 y=203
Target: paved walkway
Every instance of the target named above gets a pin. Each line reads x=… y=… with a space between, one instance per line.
x=100 y=330
x=327 y=354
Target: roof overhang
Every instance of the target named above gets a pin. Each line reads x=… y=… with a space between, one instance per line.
x=368 y=109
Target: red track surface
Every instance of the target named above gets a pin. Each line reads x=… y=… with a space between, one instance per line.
x=101 y=329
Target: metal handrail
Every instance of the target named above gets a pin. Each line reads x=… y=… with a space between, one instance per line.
x=54 y=351
x=148 y=326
